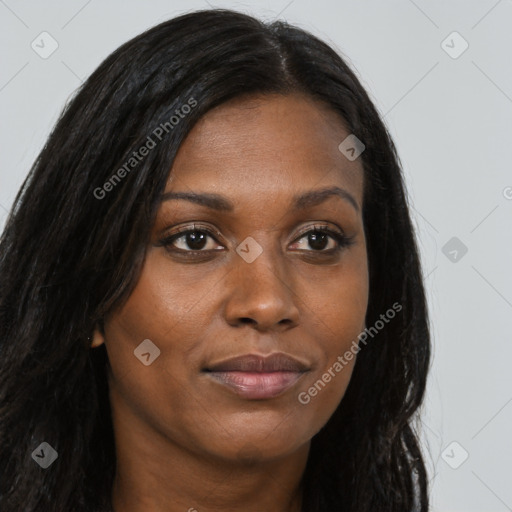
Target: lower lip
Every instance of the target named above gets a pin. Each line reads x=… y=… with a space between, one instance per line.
x=255 y=385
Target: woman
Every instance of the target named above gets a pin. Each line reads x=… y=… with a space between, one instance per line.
x=211 y=292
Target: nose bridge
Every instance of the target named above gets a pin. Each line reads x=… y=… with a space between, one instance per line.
x=266 y=271
x=260 y=289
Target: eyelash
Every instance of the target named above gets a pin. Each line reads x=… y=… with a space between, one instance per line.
x=342 y=240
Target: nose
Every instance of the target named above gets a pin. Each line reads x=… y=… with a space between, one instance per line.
x=261 y=294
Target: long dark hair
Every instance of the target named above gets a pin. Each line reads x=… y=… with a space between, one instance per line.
x=71 y=253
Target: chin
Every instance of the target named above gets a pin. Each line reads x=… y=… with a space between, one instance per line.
x=259 y=448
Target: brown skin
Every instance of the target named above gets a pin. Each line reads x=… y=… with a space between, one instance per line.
x=184 y=441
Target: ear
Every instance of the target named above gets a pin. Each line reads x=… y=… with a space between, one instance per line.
x=98 y=337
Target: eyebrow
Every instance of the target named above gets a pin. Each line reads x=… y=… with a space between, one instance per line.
x=305 y=200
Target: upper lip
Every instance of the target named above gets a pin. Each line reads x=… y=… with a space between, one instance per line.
x=256 y=363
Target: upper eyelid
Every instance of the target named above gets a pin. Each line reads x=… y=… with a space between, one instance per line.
x=195 y=227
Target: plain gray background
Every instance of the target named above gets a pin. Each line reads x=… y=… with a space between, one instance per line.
x=450 y=114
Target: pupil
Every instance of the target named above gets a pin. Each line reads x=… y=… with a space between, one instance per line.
x=318 y=240
x=196 y=240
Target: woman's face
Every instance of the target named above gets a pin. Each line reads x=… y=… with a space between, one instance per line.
x=251 y=277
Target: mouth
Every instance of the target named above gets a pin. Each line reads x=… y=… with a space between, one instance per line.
x=255 y=377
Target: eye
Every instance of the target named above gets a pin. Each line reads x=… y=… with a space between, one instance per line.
x=318 y=239
x=191 y=239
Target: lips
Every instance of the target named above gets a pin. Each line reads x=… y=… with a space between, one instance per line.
x=255 y=377
x=276 y=362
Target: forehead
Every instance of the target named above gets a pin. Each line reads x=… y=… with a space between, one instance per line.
x=264 y=143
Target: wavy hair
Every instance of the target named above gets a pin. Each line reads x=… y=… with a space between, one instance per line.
x=68 y=258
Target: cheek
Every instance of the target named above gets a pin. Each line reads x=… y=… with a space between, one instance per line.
x=163 y=307
x=337 y=303
x=323 y=390
x=150 y=344
x=321 y=395
x=337 y=309
x=151 y=336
